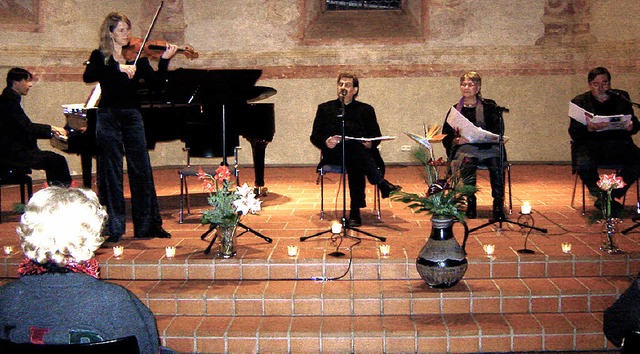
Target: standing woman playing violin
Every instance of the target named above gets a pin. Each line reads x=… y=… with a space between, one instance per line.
x=120 y=131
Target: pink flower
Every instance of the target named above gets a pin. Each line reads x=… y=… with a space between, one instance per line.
x=609 y=182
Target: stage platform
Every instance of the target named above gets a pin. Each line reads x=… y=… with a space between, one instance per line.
x=266 y=301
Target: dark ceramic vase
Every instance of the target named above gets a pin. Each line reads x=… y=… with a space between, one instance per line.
x=442 y=262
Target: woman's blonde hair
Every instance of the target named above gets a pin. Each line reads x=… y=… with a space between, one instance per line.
x=61 y=224
x=108 y=26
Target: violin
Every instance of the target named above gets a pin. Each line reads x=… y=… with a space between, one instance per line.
x=153 y=50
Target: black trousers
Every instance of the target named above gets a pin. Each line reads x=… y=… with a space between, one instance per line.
x=120 y=133
x=54 y=165
x=588 y=155
x=468 y=169
x=361 y=163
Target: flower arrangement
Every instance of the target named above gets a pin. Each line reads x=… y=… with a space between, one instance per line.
x=608 y=183
x=446 y=191
x=228 y=205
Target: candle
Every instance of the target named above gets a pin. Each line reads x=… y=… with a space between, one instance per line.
x=170 y=251
x=525 y=208
x=489 y=249
x=336 y=227
x=566 y=247
x=118 y=251
x=8 y=250
x=385 y=249
x=292 y=251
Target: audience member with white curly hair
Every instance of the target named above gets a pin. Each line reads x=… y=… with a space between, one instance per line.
x=59 y=298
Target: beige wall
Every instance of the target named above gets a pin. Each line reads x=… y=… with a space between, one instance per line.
x=526 y=64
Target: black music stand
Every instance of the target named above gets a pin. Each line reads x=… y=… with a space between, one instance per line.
x=212 y=227
x=343 y=220
x=502 y=218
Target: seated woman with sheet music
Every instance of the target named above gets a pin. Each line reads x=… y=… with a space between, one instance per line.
x=594 y=143
x=466 y=149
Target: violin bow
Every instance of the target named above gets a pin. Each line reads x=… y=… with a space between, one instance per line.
x=146 y=37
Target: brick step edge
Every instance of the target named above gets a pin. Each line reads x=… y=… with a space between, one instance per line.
x=390 y=334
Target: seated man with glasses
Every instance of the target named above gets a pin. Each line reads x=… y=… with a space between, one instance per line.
x=594 y=144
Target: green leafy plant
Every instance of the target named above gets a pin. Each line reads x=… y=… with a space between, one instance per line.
x=228 y=205
x=446 y=191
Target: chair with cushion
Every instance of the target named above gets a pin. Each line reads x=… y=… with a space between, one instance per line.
x=199 y=143
x=128 y=345
x=16 y=176
x=608 y=166
x=324 y=169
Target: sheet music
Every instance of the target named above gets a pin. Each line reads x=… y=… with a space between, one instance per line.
x=381 y=138
x=475 y=135
x=616 y=122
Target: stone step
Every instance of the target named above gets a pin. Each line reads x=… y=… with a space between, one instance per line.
x=450 y=333
x=377 y=298
x=367 y=264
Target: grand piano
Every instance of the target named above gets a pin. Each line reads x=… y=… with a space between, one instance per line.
x=221 y=104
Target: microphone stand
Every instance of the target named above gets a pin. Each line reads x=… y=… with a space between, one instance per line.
x=343 y=220
x=501 y=217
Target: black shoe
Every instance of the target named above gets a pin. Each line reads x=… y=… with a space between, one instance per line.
x=354 y=218
x=161 y=233
x=158 y=232
x=387 y=188
x=471 y=212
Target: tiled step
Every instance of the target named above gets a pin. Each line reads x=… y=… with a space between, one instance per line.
x=190 y=264
x=377 y=298
x=454 y=333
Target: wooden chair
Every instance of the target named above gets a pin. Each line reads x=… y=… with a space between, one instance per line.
x=126 y=345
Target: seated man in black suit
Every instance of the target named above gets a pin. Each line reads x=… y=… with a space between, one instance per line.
x=362 y=157
x=593 y=144
x=18 y=135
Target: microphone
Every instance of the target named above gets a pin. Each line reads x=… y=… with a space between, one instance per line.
x=343 y=92
x=611 y=92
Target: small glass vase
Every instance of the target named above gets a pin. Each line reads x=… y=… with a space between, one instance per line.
x=227 y=236
x=608 y=236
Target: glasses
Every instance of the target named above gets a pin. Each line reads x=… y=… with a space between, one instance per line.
x=468 y=84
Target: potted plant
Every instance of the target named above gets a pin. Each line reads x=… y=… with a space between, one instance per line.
x=442 y=261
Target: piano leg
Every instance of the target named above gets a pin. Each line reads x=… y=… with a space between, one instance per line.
x=258 y=149
x=86 y=160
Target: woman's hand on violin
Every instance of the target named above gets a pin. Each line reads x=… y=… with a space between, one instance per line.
x=130 y=70
x=170 y=52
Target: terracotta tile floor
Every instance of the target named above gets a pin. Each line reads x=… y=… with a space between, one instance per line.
x=265 y=301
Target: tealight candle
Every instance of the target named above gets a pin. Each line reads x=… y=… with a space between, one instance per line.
x=118 y=251
x=385 y=249
x=566 y=247
x=292 y=251
x=336 y=227
x=489 y=249
x=8 y=250
x=525 y=208
x=170 y=251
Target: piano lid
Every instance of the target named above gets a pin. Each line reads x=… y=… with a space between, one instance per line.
x=196 y=86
